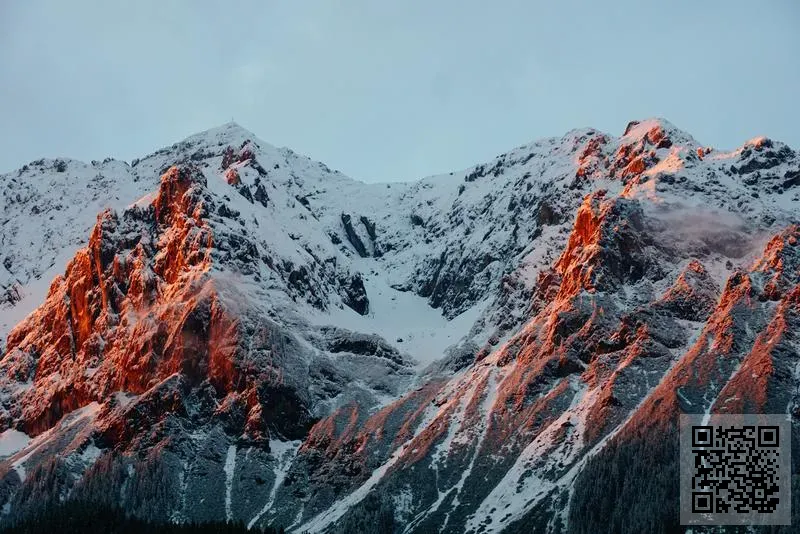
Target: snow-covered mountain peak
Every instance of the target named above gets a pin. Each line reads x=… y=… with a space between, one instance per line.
x=230 y=133
x=654 y=127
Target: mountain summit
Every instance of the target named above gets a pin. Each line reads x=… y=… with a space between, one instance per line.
x=225 y=330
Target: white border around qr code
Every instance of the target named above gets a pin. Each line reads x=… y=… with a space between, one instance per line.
x=703 y=504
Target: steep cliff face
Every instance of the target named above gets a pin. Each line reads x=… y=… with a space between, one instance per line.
x=743 y=361
x=246 y=334
x=608 y=359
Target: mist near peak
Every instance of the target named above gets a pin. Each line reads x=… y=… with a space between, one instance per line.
x=702 y=231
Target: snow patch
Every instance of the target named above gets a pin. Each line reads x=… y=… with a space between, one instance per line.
x=283 y=452
x=403 y=318
x=230 y=466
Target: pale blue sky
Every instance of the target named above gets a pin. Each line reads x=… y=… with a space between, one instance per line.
x=389 y=90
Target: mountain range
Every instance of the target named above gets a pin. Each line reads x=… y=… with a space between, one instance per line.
x=226 y=330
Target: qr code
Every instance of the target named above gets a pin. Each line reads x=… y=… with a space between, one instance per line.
x=735 y=469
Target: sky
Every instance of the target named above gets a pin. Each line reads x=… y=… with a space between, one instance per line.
x=386 y=91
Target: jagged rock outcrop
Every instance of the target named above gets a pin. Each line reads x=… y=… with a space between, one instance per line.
x=134 y=308
x=145 y=334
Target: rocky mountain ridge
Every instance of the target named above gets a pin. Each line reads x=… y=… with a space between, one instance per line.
x=249 y=335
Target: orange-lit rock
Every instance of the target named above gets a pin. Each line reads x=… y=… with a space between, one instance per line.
x=133 y=311
x=232 y=177
x=636 y=166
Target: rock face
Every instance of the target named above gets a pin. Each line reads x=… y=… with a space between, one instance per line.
x=140 y=305
x=248 y=335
